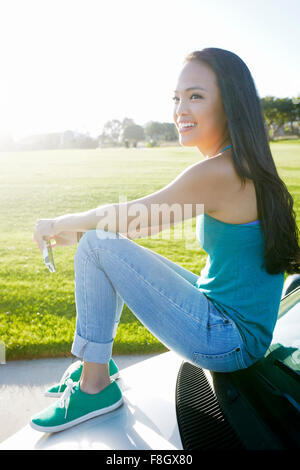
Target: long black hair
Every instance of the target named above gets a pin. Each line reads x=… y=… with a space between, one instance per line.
x=253 y=159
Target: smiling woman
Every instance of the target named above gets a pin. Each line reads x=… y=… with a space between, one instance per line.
x=223 y=320
x=200 y=117
x=229 y=111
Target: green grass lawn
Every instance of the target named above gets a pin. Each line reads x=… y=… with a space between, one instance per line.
x=37 y=308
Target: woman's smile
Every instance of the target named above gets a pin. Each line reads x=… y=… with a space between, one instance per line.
x=186 y=127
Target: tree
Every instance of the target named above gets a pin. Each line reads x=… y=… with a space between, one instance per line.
x=133 y=133
x=67 y=140
x=295 y=114
x=84 y=141
x=161 y=131
x=170 y=132
x=127 y=122
x=278 y=111
x=154 y=130
x=270 y=113
x=111 y=132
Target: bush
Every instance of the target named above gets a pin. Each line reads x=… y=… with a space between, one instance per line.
x=151 y=143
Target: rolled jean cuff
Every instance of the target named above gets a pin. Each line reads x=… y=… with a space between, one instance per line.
x=90 y=351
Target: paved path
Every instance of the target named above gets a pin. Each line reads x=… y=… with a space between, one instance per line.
x=22 y=385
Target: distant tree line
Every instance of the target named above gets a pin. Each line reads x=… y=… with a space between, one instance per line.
x=282 y=116
x=127 y=133
x=282 y=119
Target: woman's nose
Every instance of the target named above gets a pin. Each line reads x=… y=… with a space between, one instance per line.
x=181 y=107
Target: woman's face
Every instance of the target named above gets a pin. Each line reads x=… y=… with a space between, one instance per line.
x=201 y=106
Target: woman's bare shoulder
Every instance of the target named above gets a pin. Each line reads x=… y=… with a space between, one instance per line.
x=238 y=204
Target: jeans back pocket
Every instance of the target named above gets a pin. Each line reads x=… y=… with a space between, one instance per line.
x=230 y=361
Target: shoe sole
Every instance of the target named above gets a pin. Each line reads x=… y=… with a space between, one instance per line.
x=59 y=394
x=93 y=414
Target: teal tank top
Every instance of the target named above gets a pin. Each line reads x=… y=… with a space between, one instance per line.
x=234 y=280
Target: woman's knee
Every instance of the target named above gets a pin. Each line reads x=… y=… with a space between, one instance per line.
x=86 y=238
x=92 y=239
x=86 y=244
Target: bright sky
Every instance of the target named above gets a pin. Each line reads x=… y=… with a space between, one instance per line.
x=74 y=64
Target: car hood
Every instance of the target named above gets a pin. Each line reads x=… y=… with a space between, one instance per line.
x=147 y=420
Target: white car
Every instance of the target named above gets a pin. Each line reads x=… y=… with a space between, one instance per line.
x=173 y=405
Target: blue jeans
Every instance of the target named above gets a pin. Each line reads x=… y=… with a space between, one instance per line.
x=111 y=269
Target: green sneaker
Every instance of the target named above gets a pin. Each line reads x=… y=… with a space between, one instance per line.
x=76 y=406
x=74 y=372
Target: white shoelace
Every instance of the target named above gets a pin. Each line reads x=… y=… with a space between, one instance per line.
x=64 y=377
x=65 y=398
x=67 y=374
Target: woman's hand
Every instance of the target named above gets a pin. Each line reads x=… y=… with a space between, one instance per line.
x=43 y=230
x=47 y=229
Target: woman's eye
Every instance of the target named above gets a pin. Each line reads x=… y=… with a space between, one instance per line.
x=176 y=98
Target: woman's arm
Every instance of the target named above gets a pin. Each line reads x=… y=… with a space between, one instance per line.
x=203 y=184
x=132 y=219
x=185 y=197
